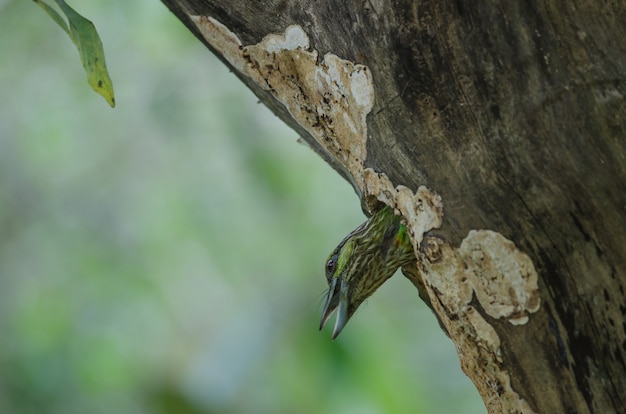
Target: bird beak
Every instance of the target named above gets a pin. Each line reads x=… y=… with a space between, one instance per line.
x=332 y=300
x=337 y=299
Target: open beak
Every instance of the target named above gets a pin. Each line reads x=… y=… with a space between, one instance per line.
x=337 y=299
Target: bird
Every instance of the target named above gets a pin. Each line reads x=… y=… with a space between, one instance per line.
x=362 y=262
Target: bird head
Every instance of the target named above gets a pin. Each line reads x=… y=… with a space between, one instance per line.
x=362 y=262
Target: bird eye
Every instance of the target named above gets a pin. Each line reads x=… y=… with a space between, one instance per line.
x=330 y=266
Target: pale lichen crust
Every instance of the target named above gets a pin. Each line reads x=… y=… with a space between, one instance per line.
x=503 y=277
x=330 y=98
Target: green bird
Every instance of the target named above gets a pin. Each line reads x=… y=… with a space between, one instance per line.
x=362 y=262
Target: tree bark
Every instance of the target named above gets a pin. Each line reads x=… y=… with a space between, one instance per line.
x=498 y=131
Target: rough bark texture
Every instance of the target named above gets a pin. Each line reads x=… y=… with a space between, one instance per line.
x=514 y=114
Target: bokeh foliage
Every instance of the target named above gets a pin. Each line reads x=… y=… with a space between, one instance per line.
x=167 y=256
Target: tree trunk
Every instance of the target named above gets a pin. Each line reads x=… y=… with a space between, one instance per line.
x=498 y=131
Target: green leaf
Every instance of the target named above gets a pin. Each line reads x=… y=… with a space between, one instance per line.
x=84 y=35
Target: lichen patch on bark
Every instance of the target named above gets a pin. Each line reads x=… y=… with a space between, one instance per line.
x=487 y=265
x=330 y=98
x=503 y=277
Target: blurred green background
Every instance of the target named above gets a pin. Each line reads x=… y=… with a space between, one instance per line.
x=166 y=256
